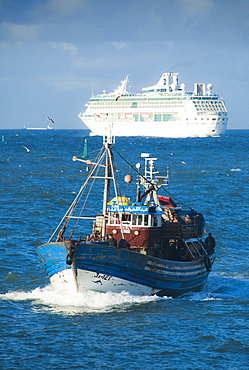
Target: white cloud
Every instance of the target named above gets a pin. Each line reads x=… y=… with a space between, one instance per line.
x=193 y=8
x=65 y=7
x=20 y=31
x=120 y=45
x=63 y=47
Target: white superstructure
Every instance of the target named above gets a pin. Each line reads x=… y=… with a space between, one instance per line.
x=161 y=110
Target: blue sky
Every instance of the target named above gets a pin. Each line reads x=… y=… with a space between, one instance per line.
x=55 y=53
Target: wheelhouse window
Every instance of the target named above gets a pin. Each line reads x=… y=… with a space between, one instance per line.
x=154 y=221
x=126 y=217
x=146 y=220
x=135 y=219
x=140 y=220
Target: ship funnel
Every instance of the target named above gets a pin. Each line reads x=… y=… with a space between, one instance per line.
x=199 y=89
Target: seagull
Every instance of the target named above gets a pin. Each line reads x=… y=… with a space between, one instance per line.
x=50 y=119
x=28 y=150
x=184 y=162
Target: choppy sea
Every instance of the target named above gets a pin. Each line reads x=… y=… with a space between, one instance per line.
x=43 y=329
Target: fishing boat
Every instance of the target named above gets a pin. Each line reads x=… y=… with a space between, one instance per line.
x=144 y=244
x=165 y=109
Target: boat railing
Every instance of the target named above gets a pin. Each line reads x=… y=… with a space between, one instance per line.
x=195 y=248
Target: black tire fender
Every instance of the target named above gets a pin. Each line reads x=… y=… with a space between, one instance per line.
x=207 y=263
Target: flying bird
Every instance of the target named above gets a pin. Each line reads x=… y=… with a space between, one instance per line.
x=50 y=119
x=28 y=150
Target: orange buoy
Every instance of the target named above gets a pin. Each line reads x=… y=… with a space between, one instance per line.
x=128 y=179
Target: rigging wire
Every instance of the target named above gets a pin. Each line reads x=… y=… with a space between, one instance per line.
x=76 y=200
x=116 y=193
x=136 y=170
x=99 y=158
x=84 y=204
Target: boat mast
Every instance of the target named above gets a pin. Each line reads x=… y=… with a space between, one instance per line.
x=151 y=180
x=108 y=141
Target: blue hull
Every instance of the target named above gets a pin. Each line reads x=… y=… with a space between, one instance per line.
x=165 y=277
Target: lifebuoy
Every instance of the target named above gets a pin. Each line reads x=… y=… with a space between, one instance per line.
x=208 y=263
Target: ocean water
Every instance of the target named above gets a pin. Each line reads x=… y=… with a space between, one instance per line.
x=44 y=329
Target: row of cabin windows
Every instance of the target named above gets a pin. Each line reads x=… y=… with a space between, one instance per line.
x=217 y=106
x=134 y=220
x=142 y=105
x=157 y=117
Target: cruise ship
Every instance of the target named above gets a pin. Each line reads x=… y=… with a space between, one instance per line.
x=162 y=110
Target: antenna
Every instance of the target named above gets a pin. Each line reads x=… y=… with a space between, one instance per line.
x=109 y=138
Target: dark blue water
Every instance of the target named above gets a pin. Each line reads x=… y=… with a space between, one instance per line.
x=42 y=329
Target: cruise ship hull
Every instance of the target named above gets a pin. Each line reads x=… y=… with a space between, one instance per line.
x=175 y=129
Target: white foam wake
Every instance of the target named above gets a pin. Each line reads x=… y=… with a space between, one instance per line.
x=81 y=302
